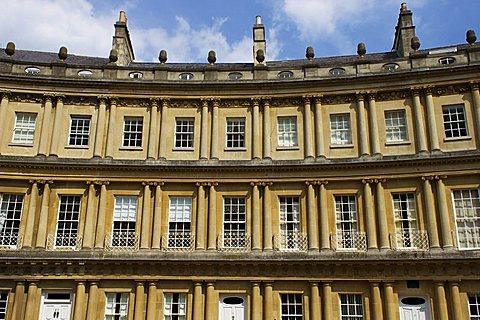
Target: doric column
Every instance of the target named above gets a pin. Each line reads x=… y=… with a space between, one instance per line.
x=256 y=302
x=18 y=302
x=268 y=301
x=456 y=301
x=444 y=216
x=43 y=219
x=152 y=301
x=312 y=217
x=204 y=131
x=314 y=301
x=267 y=218
x=324 y=226
x=5 y=96
x=164 y=134
x=90 y=219
x=362 y=127
x=267 y=136
x=152 y=138
x=430 y=213
x=146 y=233
x=111 y=128
x=92 y=300
x=441 y=301
x=57 y=126
x=198 y=300
x=372 y=116
x=390 y=306
x=327 y=300
x=307 y=128
x=102 y=208
x=210 y=305
x=79 y=311
x=369 y=215
x=157 y=217
x=432 y=124
x=46 y=126
x=200 y=234
x=212 y=217
x=214 y=138
x=101 y=117
x=476 y=108
x=31 y=300
x=419 y=122
x=139 y=301
x=256 y=218
x=31 y=216
x=376 y=301
x=319 y=143
x=256 y=154
x=382 y=215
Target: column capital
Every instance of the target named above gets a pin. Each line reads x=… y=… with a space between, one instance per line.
x=154 y=101
x=374 y=283
x=434 y=177
x=5 y=94
x=197 y=283
x=318 y=98
x=205 y=102
x=307 y=99
x=60 y=97
x=267 y=283
x=313 y=283
x=371 y=95
x=360 y=96
x=256 y=101
x=379 y=180
x=415 y=91
x=101 y=182
x=201 y=184
x=150 y=183
x=152 y=283
x=216 y=102
x=212 y=184
x=316 y=182
x=165 y=102
x=327 y=283
x=102 y=99
x=255 y=283
x=388 y=283
x=266 y=100
x=41 y=181
x=428 y=90
x=368 y=181
x=474 y=85
x=48 y=97
x=139 y=282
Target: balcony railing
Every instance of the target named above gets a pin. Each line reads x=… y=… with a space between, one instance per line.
x=410 y=240
x=10 y=240
x=122 y=241
x=350 y=241
x=468 y=238
x=291 y=241
x=178 y=241
x=64 y=242
x=234 y=242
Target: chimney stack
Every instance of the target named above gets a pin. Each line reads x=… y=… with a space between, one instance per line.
x=404 y=32
x=259 y=43
x=121 y=41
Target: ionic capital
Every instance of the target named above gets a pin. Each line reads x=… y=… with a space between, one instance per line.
x=474 y=85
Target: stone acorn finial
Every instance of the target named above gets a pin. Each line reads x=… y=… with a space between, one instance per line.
x=471 y=36
x=113 y=57
x=10 y=49
x=162 y=56
x=361 y=49
x=63 y=53
x=310 y=53
x=415 y=43
x=260 y=55
x=212 y=57
x=403 y=7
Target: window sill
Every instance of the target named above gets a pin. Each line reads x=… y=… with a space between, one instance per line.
x=131 y=149
x=457 y=139
x=397 y=143
x=77 y=147
x=288 y=148
x=341 y=146
x=235 y=149
x=183 y=149
x=17 y=144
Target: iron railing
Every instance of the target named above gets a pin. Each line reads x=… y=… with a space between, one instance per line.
x=234 y=242
x=350 y=241
x=178 y=241
x=122 y=241
x=291 y=241
x=64 y=242
x=410 y=240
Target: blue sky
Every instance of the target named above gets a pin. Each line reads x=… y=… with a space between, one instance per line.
x=188 y=29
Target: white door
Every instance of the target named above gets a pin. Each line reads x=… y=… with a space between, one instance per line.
x=232 y=307
x=414 y=308
x=56 y=306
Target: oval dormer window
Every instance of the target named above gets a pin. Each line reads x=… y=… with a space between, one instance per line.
x=285 y=74
x=447 y=60
x=337 y=72
x=233 y=300
x=390 y=67
x=235 y=75
x=135 y=75
x=413 y=301
x=32 y=70
x=85 y=73
x=185 y=76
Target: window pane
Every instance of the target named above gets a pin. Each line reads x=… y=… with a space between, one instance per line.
x=291 y=307
x=340 y=129
x=10 y=215
x=67 y=221
x=24 y=129
x=184 y=133
x=454 y=121
x=467 y=212
x=351 y=306
x=235 y=133
x=287 y=132
x=395 y=126
x=132 y=132
x=79 y=131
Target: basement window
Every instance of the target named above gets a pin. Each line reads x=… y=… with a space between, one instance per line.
x=447 y=60
x=32 y=70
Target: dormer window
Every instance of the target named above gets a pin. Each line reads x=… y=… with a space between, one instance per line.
x=390 y=67
x=447 y=60
x=285 y=74
x=337 y=72
x=185 y=76
x=135 y=75
x=235 y=75
x=85 y=73
x=32 y=70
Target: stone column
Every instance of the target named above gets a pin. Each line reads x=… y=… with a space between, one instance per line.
x=152 y=301
x=444 y=216
x=307 y=128
x=372 y=116
x=327 y=300
x=152 y=138
x=92 y=300
x=79 y=311
x=18 y=302
x=314 y=301
x=46 y=125
x=324 y=226
x=382 y=215
x=456 y=301
x=256 y=218
x=90 y=219
x=157 y=217
x=362 y=127
x=214 y=139
x=139 y=301
x=256 y=302
x=319 y=143
x=101 y=117
x=256 y=129
x=419 y=122
x=390 y=304
x=164 y=134
x=57 y=126
x=268 y=301
x=376 y=312
x=31 y=305
x=430 y=213
x=204 y=132
x=32 y=210
x=198 y=301
x=102 y=208
x=267 y=136
x=43 y=219
x=369 y=215
x=111 y=128
x=200 y=234
x=146 y=233
x=212 y=217
x=5 y=96
x=312 y=217
x=441 y=303
x=267 y=218
x=210 y=305
x=432 y=124
x=476 y=107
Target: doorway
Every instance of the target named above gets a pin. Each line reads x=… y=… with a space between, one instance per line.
x=56 y=305
x=232 y=307
x=414 y=308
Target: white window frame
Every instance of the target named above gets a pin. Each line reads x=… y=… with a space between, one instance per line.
x=3 y=304
x=10 y=217
x=396 y=126
x=468 y=207
x=287 y=132
x=24 y=129
x=340 y=129
x=351 y=304
x=290 y=221
x=179 y=222
x=184 y=133
x=114 y=300
x=405 y=215
x=68 y=218
x=79 y=130
x=175 y=299
x=455 y=121
x=474 y=300
x=296 y=302
x=124 y=221
x=235 y=133
x=346 y=220
x=132 y=132
x=235 y=205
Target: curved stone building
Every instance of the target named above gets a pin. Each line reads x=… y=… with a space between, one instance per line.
x=321 y=188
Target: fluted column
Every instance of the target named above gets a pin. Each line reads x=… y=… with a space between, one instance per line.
x=204 y=131
x=369 y=215
x=157 y=217
x=210 y=305
x=256 y=218
x=441 y=301
x=102 y=208
x=419 y=122
x=146 y=233
x=31 y=305
x=430 y=213
x=214 y=139
x=307 y=128
x=476 y=107
x=79 y=311
x=5 y=96
x=312 y=217
x=327 y=300
x=267 y=135
x=111 y=128
x=267 y=218
x=362 y=127
x=324 y=225
x=382 y=215
x=456 y=301
x=139 y=301
x=376 y=312
x=200 y=234
x=152 y=301
x=372 y=116
x=57 y=126
x=164 y=134
x=390 y=304
x=19 y=301
x=319 y=143
x=152 y=138
x=198 y=301
x=256 y=302
x=432 y=123
x=92 y=300
x=43 y=219
x=90 y=219
x=101 y=117
x=268 y=301
x=444 y=216
x=256 y=154
x=46 y=125
x=212 y=217
x=32 y=212
x=314 y=301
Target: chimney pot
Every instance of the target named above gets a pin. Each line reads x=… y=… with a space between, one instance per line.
x=123 y=17
x=403 y=7
x=258 y=20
